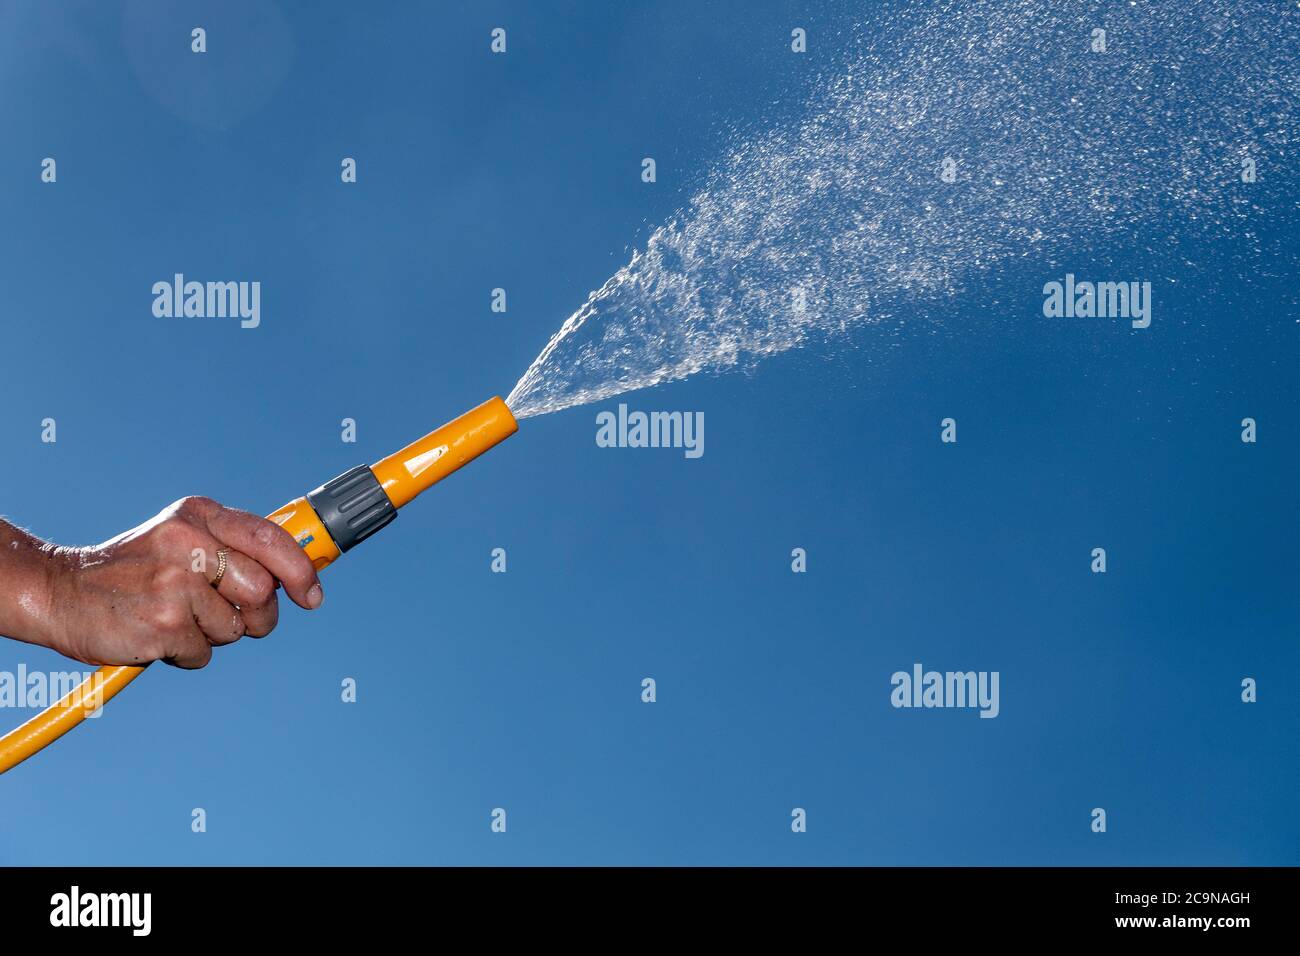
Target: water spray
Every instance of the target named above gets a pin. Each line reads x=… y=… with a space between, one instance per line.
x=326 y=523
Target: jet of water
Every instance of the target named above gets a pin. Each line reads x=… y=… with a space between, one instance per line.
x=971 y=135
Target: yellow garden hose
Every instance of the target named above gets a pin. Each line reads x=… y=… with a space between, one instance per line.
x=60 y=717
x=326 y=523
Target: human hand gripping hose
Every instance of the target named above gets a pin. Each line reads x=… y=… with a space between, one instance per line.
x=326 y=523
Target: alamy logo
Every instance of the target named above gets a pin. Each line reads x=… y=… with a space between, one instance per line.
x=950 y=689
x=1101 y=300
x=75 y=908
x=209 y=300
x=38 y=689
x=651 y=430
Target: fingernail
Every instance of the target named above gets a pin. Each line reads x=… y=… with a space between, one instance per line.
x=315 y=596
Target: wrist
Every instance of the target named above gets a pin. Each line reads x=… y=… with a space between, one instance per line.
x=52 y=566
x=29 y=572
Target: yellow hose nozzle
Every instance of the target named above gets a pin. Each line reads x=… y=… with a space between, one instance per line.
x=326 y=523
x=346 y=510
x=406 y=473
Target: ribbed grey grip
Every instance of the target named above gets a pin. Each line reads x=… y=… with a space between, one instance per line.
x=352 y=506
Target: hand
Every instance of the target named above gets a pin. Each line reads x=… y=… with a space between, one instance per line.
x=138 y=597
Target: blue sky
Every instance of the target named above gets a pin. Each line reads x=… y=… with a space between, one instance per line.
x=522 y=690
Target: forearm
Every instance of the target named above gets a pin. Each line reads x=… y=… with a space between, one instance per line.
x=26 y=572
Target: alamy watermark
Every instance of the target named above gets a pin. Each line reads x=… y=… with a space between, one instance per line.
x=923 y=688
x=651 y=430
x=209 y=300
x=40 y=689
x=133 y=911
x=1101 y=300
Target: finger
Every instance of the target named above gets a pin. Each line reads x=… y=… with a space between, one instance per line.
x=189 y=649
x=250 y=587
x=218 y=619
x=245 y=584
x=272 y=547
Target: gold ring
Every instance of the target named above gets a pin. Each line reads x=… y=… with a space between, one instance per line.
x=222 y=554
